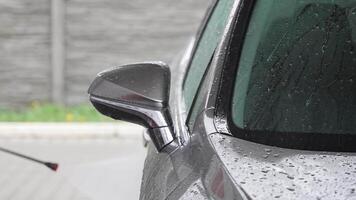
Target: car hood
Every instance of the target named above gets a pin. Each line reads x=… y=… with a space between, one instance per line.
x=266 y=172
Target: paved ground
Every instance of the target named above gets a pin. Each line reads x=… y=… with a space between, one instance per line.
x=95 y=169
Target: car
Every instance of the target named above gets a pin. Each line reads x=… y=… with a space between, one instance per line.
x=260 y=105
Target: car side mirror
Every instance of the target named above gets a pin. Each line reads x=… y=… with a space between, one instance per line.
x=137 y=93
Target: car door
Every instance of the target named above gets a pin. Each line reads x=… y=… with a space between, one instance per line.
x=164 y=172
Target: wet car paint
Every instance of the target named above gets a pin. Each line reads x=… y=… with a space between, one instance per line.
x=286 y=173
x=209 y=163
x=193 y=170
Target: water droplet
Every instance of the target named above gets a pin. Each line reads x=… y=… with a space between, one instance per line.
x=307 y=103
x=268 y=150
x=353 y=12
x=282 y=172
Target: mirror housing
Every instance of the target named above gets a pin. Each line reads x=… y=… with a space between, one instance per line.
x=137 y=93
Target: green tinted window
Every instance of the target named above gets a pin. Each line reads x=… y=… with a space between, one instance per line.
x=297 y=70
x=205 y=49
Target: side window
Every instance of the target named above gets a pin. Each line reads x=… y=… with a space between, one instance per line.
x=198 y=105
x=205 y=49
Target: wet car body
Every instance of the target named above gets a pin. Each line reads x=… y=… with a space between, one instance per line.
x=211 y=164
x=206 y=161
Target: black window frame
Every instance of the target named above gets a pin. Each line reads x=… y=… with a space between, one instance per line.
x=291 y=140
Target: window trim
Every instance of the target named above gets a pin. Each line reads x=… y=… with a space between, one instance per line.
x=223 y=112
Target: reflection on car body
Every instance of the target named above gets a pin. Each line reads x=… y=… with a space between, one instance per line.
x=262 y=105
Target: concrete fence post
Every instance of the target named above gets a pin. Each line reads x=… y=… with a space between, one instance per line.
x=57 y=48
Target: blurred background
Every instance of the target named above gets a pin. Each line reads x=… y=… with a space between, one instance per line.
x=50 y=51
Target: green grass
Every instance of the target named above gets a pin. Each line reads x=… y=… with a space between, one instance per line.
x=53 y=113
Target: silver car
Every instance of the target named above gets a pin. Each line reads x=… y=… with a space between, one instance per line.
x=261 y=105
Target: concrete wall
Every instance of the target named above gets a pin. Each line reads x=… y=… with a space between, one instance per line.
x=24 y=51
x=98 y=34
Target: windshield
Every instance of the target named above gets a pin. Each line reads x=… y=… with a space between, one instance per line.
x=297 y=68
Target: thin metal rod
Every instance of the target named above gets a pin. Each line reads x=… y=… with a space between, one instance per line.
x=21 y=155
x=52 y=166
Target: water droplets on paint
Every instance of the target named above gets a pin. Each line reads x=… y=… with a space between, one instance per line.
x=265 y=156
x=268 y=150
